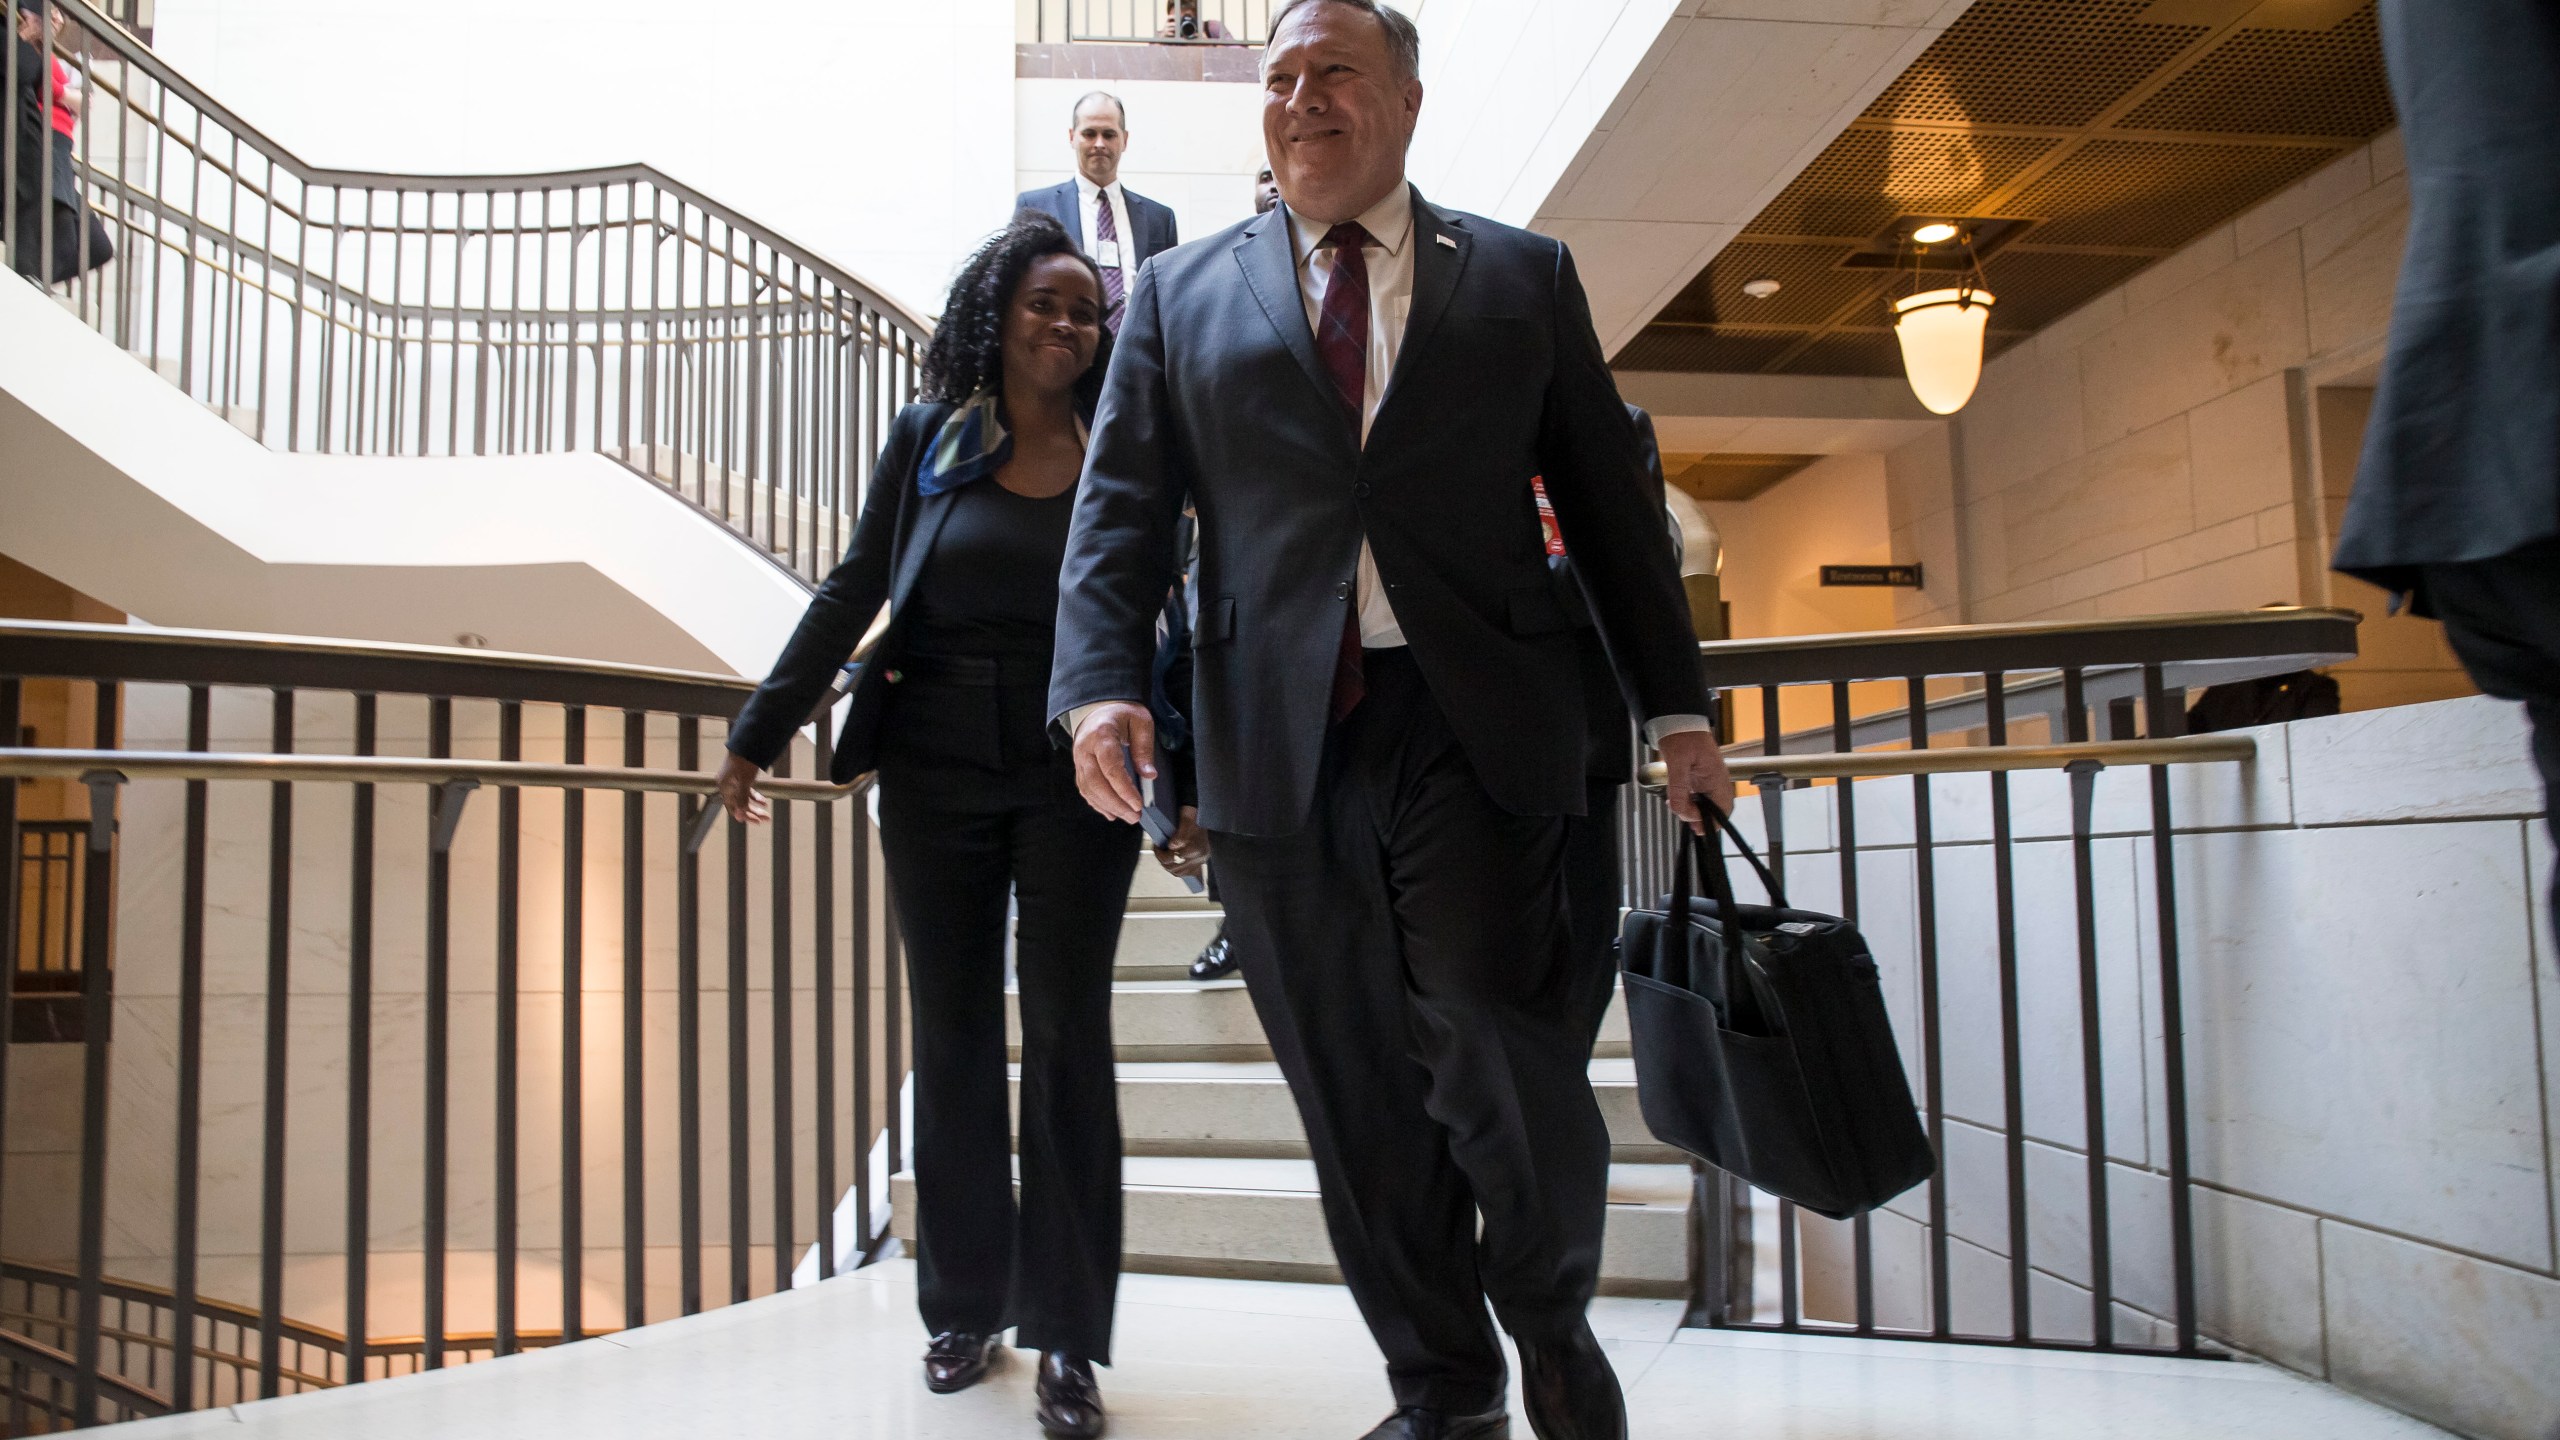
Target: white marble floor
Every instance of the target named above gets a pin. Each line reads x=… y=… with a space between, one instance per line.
x=1253 y=1360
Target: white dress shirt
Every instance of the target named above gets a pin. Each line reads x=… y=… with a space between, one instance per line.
x=1125 y=258
x=1390 y=224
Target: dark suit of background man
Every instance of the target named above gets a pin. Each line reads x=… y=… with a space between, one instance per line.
x=2457 y=499
x=1120 y=228
x=1355 y=392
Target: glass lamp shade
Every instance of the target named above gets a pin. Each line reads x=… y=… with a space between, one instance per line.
x=1941 y=335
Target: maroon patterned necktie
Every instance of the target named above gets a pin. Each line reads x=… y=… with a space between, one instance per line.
x=1342 y=339
x=1114 y=281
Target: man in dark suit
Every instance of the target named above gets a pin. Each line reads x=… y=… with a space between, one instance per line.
x=2457 y=498
x=1355 y=391
x=1120 y=228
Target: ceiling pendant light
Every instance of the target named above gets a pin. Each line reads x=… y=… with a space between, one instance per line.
x=1941 y=330
x=1941 y=333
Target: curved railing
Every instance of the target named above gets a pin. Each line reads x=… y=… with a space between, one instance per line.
x=450 y=1009
x=613 y=310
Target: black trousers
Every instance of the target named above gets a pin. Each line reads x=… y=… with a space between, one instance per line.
x=1052 y=1265
x=1409 y=958
x=2502 y=617
x=1591 y=893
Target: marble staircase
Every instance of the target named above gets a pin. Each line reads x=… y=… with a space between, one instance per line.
x=1217 y=1179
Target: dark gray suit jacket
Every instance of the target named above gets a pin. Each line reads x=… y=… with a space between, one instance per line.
x=1610 y=755
x=1154 y=222
x=2462 y=453
x=1216 y=393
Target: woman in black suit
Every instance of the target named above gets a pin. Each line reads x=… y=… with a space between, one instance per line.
x=961 y=536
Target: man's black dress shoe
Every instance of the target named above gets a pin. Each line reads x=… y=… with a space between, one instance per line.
x=1416 y=1423
x=1070 y=1403
x=1569 y=1390
x=956 y=1360
x=1217 y=958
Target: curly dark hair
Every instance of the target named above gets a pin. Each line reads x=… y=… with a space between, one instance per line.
x=966 y=354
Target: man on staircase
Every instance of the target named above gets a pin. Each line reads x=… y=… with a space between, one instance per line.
x=1389 y=722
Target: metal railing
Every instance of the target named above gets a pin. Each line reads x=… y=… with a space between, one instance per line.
x=1163 y=22
x=1965 y=921
x=296 y=843
x=612 y=310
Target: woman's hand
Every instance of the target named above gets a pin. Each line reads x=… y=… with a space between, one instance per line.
x=1189 y=853
x=738 y=791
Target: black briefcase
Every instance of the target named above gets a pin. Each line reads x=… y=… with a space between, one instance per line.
x=1762 y=1045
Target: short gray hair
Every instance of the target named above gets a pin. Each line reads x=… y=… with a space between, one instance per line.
x=1089 y=97
x=1403 y=40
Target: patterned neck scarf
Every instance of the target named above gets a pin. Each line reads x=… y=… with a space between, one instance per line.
x=971 y=444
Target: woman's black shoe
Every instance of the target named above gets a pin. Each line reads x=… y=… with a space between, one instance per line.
x=1070 y=1403
x=955 y=1360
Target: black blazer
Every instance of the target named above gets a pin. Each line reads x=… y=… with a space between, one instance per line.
x=2462 y=451
x=1216 y=393
x=1153 y=222
x=890 y=543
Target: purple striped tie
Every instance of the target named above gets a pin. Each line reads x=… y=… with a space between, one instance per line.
x=1114 y=284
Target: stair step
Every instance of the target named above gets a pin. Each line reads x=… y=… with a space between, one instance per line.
x=1161 y=944
x=1185 y=1020
x=1259 y=1220
x=1241 y=1109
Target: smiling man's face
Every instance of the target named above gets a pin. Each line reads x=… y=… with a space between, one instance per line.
x=1337 y=113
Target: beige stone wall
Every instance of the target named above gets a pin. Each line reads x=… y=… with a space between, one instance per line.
x=2185 y=441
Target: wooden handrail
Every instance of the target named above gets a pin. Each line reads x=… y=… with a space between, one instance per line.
x=79 y=765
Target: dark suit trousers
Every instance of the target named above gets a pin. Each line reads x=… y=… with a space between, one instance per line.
x=1591 y=890
x=1052 y=1267
x=2502 y=617
x=1408 y=955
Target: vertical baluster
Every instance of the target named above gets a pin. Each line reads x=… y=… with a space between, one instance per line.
x=2012 y=1073
x=635 y=1239
x=630 y=271
x=2165 y=714
x=1773 y=816
x=657 y=306
x=509 y=967
x=443 y=815
x=96 y=1009
x=779 y=861
x=689 y=1028
x=573 y=984
x=360 y=1050
x=182 y=1247
x=735 y=913
x=10 y=936
x=1924 y=860
x=892 y=1042
x=822 y=980
x=279 y=1016
x=1845 y=806
x=863 y=1130
x=569 y=329
x=2083 y=780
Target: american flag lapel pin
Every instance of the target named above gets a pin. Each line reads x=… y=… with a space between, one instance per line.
x=1445 y=240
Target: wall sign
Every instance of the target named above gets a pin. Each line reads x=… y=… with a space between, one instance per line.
x=1900 y=576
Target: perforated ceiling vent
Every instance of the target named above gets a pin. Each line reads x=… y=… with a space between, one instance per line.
x=2119 y=137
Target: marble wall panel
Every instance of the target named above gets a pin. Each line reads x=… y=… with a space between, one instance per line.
x=2442 y=760
x=2047 y=947
x=2450 y=1338
x=2360 y=1026
x=2258 y=1278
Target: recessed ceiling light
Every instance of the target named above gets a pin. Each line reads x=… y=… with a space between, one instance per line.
x=1933 y=232
x=1760 y=287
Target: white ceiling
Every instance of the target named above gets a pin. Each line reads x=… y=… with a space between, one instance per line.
x=1731 y=99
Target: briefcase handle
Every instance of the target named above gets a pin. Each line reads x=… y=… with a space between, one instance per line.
x=1689 y=868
